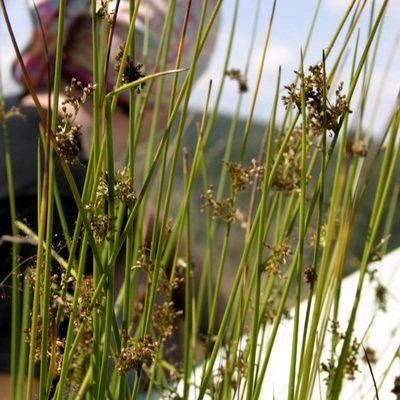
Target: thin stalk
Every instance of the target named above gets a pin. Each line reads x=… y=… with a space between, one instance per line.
x=248 y=286
x=175 y=157
x=15 y=305
x=109 y=289
x=390 y=217
x=189 y=350
x=191 y=324
x=43 y=201
x=302 y=234
x=323 y=274
x=353 y=24
x=47 y=321
x=252 y=375
x=267 y=144
x=106 y=340
x=258 y=82
x=364 y=56
x=275 y=328
x=381 y=195
x=254 y=332
x=230 y=303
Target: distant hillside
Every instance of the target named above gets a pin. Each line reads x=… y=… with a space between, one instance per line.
x=215 y=154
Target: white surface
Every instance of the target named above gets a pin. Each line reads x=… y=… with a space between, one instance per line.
x=376 y=329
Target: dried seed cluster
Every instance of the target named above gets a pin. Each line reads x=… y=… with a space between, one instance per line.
x=138 y=351
x=164 y=313
x=242 y=176
x=396 y=388
x=321 y=116
x=236 y=75
x=103 y=224
x=62 y=300
x=13 y=111
x=288 y=175
x=381 y=293
x=355 y=148
x=103 y=227
x=68 y=133
x=310 y=275
x=278 y=258
x=131 y=71
x=223 y=209
x=321 y=113
x=106 y=10
x=351 y=367
x=163 y=317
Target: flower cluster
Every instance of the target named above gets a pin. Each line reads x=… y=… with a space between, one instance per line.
x=321 y=113
x=355 y=148
x=103 y=224
x=231 y=371
x=62 y=300
x=164 y=313
x=124 y=191
x=164 y=316
x=223 y=209
x=381 y=297
x=314 y=240
x=310 y=275
x=74 y=100
x=272 y=306
x=236 y=75
x=381 y=293
x=137 y=352
x=123 y=188
x=369 y=355
x=138 y=306
x=67 y=141
x=103 y=227
x=351 y=366
x=274 y=263
x=131 y=72
x=84 y=313
x=67 y=131
x=396 y=388
x=242 y=176
x=106 y=11
x=289 y=171
x=13 y=111
x=38 y=340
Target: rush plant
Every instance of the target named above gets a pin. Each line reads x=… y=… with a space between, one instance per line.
x=246 y=244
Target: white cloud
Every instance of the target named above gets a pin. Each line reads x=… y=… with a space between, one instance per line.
x=278 y=54
x=342 y=5
x=338 y=5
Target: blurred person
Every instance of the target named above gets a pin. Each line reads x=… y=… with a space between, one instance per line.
x=77 y=52
x=23 y=133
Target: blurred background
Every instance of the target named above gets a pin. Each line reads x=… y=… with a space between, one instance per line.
x=289 y=33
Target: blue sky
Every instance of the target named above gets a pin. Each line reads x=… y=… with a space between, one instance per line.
x=288 y=36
